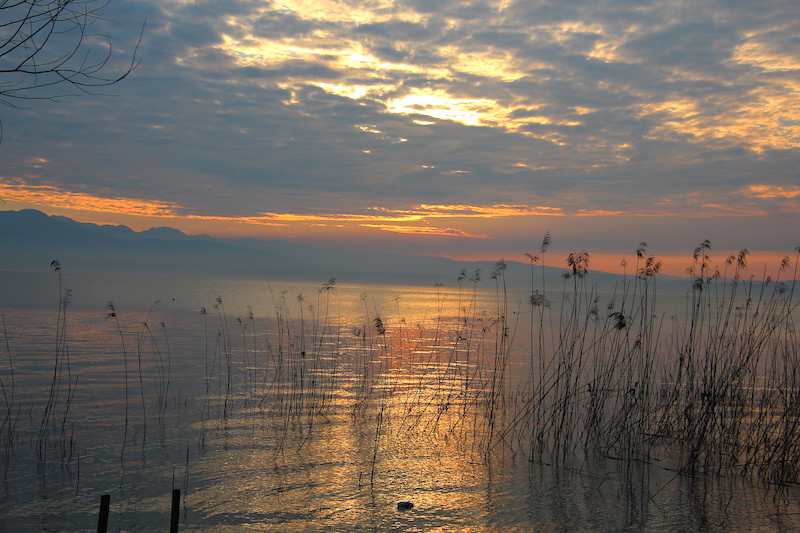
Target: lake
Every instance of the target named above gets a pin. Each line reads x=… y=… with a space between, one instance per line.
x=320 y=407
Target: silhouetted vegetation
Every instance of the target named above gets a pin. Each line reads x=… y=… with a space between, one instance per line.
x=714 y=389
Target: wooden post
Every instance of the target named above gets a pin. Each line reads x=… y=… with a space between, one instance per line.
x=102 y=521
x=176 y=510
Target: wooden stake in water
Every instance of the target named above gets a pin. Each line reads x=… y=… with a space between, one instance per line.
x=102 y=521
x=176 y=508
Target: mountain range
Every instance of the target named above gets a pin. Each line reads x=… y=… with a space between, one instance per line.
x=30 y=240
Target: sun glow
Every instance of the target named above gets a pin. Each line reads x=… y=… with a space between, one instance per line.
x=440 y=104
x=471 y=211
x=354 y=92
x=423 y=230
x=253 y=51
x=346 y=12
x=358 y=62
x=495 y=65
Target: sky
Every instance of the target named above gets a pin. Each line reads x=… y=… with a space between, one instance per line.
x=464 y=129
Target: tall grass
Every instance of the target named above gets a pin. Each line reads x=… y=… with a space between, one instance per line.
x=58 y=398
x=716 y=394
x=8 y=389
x=713 y=389
x=112 y=314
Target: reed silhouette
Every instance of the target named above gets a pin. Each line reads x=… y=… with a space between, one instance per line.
x=712 y=389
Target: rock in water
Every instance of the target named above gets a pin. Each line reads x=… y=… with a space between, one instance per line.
x=404 y=506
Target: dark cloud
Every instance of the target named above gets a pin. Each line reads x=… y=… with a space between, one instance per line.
x=701 y=46
x=277 y=24
x=398 y=30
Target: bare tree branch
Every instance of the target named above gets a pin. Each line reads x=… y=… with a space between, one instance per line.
x=47 y=51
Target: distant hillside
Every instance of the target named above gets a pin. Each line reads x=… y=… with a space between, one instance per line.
x=30 y=240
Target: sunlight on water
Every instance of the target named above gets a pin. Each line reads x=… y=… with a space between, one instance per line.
x=306 y=408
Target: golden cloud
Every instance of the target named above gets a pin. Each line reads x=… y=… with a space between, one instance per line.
x=389 y=219
x=470 y=211
x=404 y=220
x=423 y=230
x=766 y=118
x=771 y=191
x=760 y=51
x=57 y=198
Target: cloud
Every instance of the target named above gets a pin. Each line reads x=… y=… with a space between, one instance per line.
x=318 y=108
x=772 y=191
x=422 y=230
x=60 y=199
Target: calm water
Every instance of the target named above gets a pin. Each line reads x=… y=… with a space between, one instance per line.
x=288 y=407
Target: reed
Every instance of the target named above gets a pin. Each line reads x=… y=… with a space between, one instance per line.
x=713 y=389
x=61 y=372
x=8 y=388
x=224 y=345
x=148 y=343
x=112 y=314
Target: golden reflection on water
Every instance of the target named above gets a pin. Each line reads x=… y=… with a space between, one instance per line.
x=349 y=472
x=327 y=416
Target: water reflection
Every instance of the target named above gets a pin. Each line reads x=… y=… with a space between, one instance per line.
x=322 y=413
